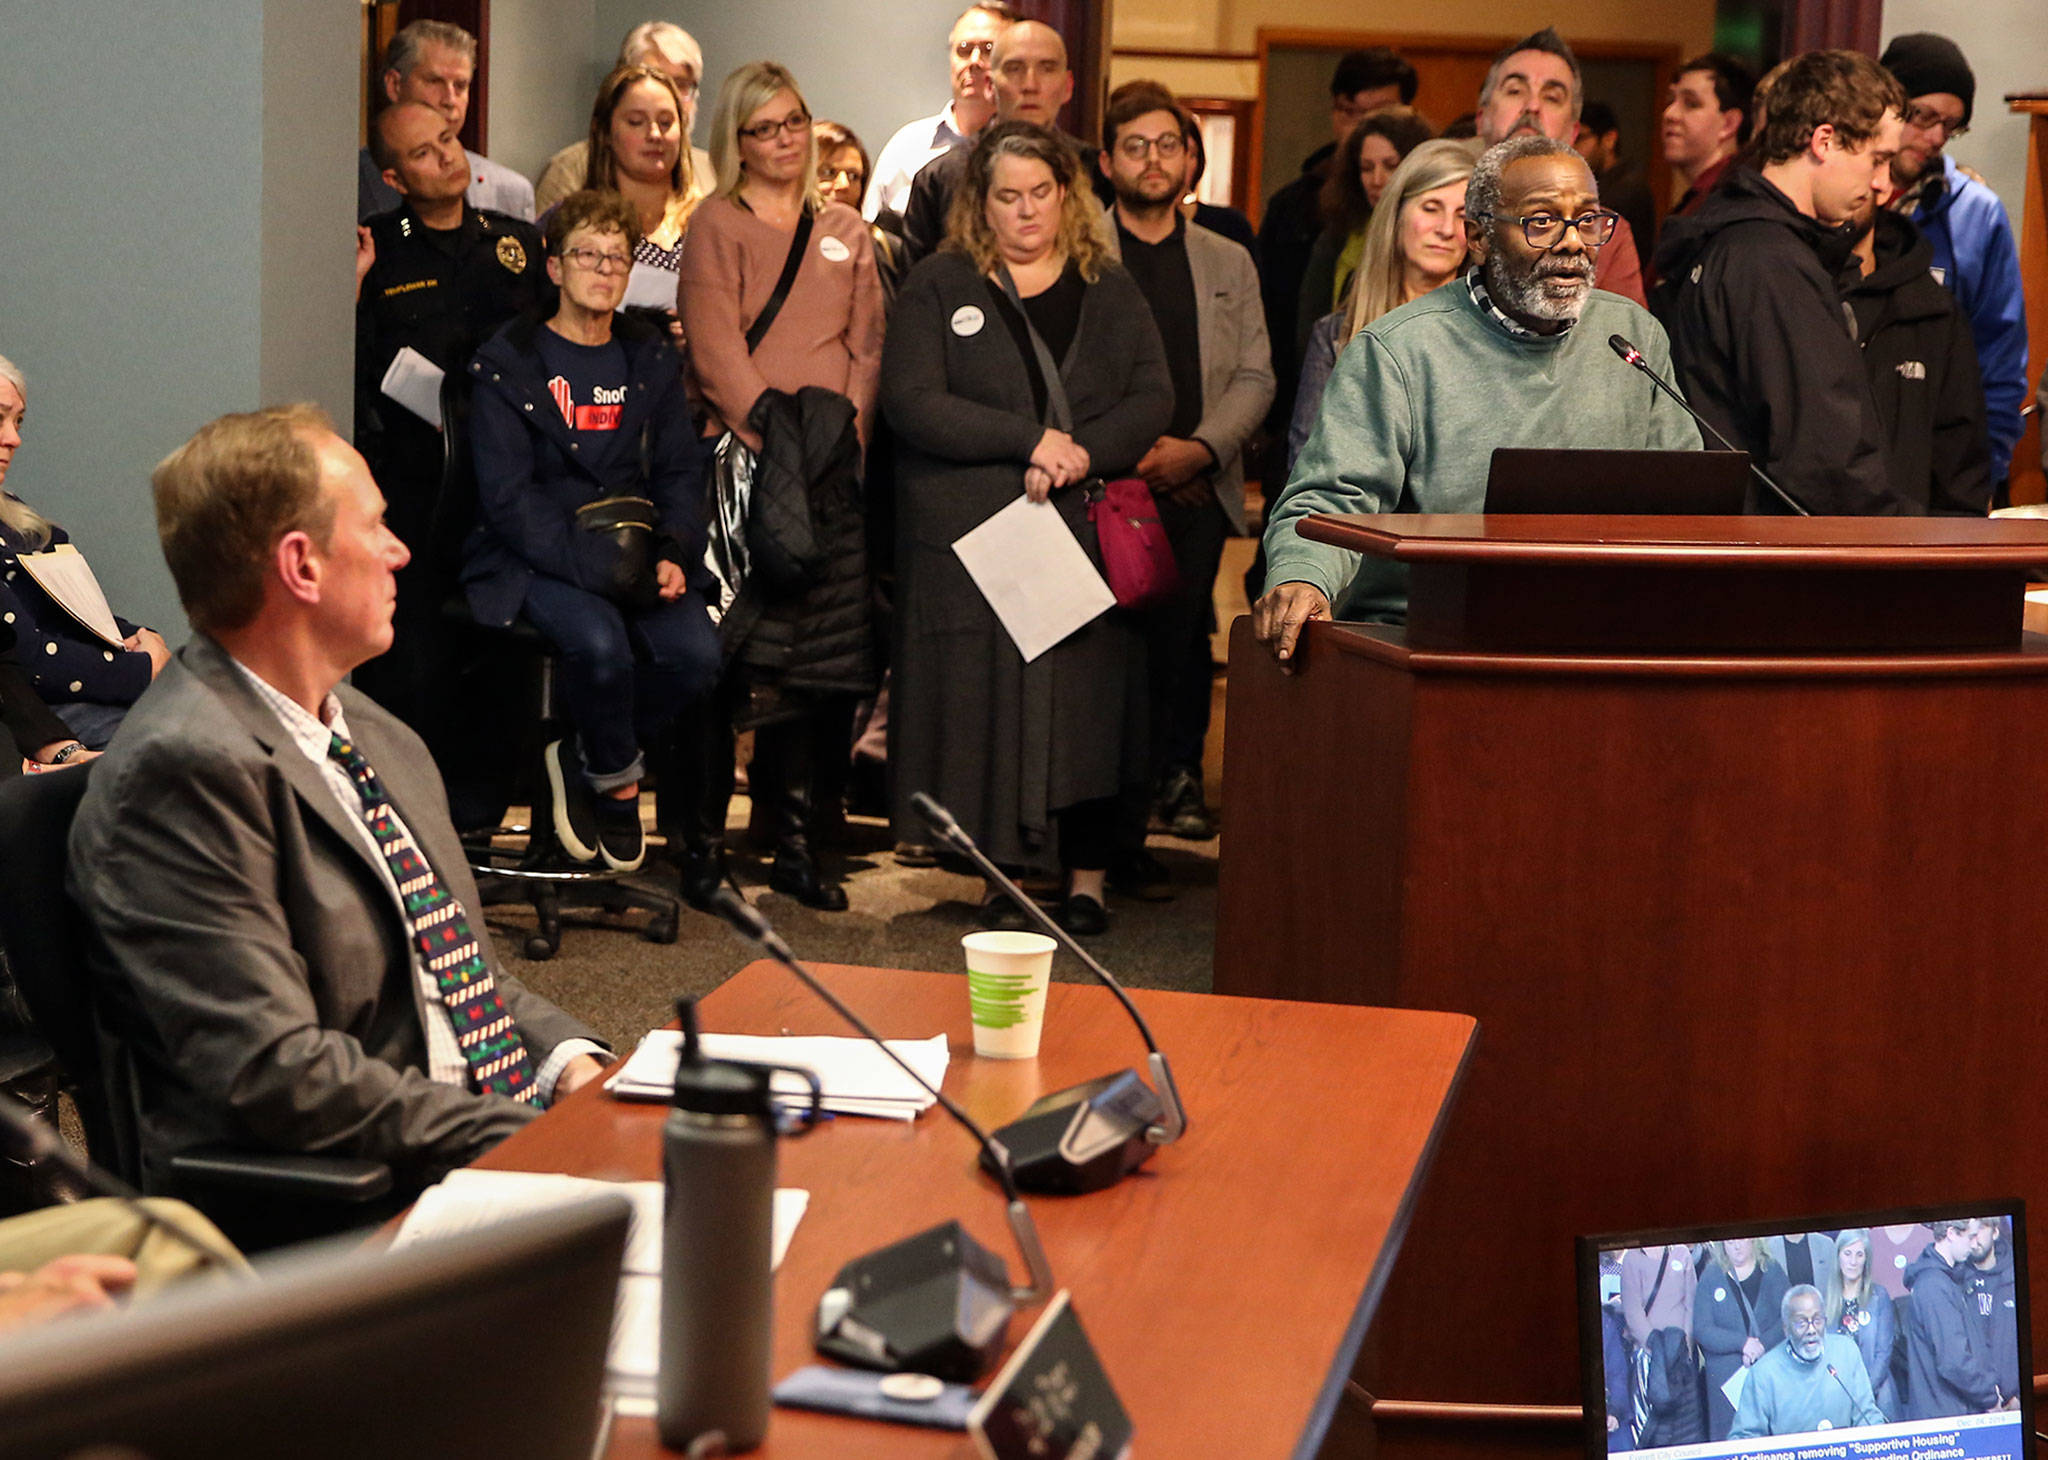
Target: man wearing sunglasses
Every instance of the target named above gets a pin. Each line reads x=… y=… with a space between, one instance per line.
x=1966 y=225
x=1749 y=287
x=973 y=107
x=1513 y=354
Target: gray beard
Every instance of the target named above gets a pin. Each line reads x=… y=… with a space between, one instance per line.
x=1522 y=292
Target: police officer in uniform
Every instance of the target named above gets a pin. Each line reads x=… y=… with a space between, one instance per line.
x=438 y=277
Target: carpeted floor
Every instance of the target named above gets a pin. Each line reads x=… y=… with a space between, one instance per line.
x=901 y=917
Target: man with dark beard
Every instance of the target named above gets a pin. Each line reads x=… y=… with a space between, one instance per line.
x=1514 y=354
x=1749 y=288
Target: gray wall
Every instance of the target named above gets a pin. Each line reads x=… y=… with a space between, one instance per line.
x=177 y=243
x=2006 y=42
x=873 y=66
x=543 y=73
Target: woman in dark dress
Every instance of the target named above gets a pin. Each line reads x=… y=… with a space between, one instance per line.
x=1029 y=757
x=1736 y=1319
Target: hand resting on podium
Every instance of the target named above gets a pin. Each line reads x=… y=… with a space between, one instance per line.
x=1278 y=616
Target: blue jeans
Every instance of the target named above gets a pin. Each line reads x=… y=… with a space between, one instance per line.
x=623 y=679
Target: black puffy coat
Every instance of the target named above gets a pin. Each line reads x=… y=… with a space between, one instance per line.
x=803 y=622
x=1922 y=365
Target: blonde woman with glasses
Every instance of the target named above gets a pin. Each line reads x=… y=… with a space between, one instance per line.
x=780 y=296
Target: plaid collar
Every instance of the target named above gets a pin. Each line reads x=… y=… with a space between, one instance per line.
x=1507 y=322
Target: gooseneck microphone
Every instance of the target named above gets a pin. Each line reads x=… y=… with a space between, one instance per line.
x=35 y=1141
x=937 y=1302
x=1632 y=356
x=1091 y=1135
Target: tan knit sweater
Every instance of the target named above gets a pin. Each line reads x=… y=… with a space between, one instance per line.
x=829 y=332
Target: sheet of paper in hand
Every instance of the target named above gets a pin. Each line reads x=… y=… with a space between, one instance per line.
x=1052 y=1400
x=1039 y=580
x=648 y=287
x=64 y=574
x=414 y=382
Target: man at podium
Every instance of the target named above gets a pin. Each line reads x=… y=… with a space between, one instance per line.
x=1514 y=353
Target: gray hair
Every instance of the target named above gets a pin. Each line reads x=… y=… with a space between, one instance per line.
x=1548 y=41
x=409 y=46
x=16 y=516
x=666 y=39
x=1785 y=1303
x=1482 y=193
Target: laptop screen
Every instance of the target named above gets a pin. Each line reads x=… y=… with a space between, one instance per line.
x=1853 y=1336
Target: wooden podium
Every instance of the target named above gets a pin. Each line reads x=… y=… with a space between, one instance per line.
x=1730 y=831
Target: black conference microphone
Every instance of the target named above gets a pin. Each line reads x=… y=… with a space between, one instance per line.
x=35 y=1141
x=1088 y=1136
x=937 y=1302
x=1631 y=355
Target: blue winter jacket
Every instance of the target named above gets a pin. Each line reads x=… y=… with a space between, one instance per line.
x=1975 y=257
x=531 y=478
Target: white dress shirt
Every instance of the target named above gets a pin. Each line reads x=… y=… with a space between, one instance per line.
x=905 y=156
x=311 y=736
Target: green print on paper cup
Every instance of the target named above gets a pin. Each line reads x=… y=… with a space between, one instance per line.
x=1007 y=974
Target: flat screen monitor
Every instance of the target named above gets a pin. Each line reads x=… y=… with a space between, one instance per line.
x=1623 y=483
x=1852 y=1336
x=487 y=1345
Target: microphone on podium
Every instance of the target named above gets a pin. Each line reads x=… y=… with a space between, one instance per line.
x=31 y=1142
x=1632 y=356
x=937 y=1302
x=1088 y=1136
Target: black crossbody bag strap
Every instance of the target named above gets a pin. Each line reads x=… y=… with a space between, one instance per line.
x=1055 y=388
x=759 y=329
x=1663 y=1263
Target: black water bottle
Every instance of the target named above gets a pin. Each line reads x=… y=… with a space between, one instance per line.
x=717 y=1283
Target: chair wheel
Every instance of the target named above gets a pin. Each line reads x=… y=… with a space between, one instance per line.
x=539 y=948
x=661 y=928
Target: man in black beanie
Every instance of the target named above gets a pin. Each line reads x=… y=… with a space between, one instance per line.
x=1966 y=224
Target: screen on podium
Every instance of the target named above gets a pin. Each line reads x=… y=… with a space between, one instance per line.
x=1852 y=1336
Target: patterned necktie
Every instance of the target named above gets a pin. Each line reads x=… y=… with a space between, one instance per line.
x=441 y=935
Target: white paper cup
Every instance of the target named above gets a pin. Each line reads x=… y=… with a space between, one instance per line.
x=1006 y=978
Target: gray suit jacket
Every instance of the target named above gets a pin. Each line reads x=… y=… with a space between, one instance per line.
x=1237 y=361
x=252 y=962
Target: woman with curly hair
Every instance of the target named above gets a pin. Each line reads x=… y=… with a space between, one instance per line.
x=1030 y=757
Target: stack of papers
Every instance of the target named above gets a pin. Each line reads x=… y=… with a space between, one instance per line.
x=857 y=1078
x=468 y=1200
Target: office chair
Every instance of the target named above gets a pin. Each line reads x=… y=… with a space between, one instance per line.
x=259 y=1198
x=535 y=868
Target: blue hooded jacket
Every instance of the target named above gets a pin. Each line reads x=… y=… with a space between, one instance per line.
x=1975 y=257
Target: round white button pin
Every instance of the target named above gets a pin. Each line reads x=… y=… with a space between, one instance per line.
x=968 y=320
x=834 y=250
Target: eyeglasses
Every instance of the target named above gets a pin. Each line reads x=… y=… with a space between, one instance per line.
x=837 y=175
x=1804 y=1324
x=1926 y=118
x=1546 y=230
x=1168 y=146
x=795 y=124
x=969 y=50
x=598 y=261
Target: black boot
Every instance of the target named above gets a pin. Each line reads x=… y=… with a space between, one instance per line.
x=693 y=816
x=784 y=770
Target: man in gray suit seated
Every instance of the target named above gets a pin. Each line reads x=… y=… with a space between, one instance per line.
x=284 y=927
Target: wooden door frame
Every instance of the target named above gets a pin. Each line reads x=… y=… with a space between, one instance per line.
x=1666 y=56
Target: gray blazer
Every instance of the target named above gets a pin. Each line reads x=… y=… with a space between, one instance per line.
x=253 y=962
x=1237 y=361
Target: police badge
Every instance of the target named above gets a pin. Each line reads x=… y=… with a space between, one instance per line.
x=512 y=253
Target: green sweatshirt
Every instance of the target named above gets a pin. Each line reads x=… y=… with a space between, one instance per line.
x=1419 y=401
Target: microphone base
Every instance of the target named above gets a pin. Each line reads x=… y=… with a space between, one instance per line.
x=1084 y=1138
x=938 y=1303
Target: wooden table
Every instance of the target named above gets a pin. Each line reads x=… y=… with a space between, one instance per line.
x=1227 y=1286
